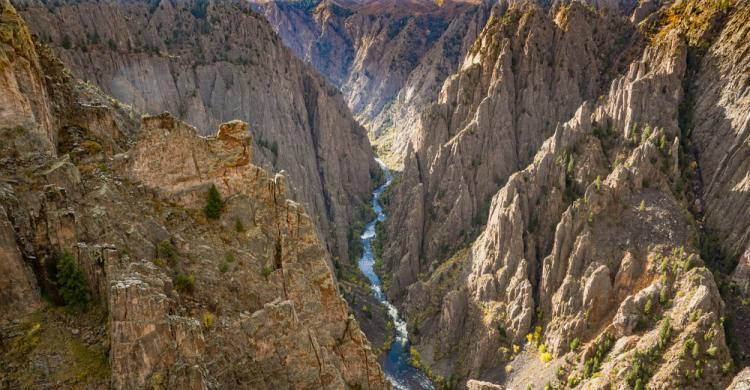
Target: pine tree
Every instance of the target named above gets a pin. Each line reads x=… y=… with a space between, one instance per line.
x=71 y=282
x=215 y=205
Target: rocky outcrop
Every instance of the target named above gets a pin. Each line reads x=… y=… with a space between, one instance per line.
x=292 y=329
x=222 y=62
x=741 y=381
x=526 y=73
x=176 y=299
x=479 y=385
x=389 y=58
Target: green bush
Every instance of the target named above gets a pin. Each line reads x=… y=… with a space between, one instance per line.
x=663 y=144
x=646 y=134
x=199 y=9
x=165 y=250
x=665 y=333
x=238 y=226
x=575 y=344
x=71 y=282
x=66 y=42
x=501 y=330
x=663 y=295
x=214 y=203
x=266 y=271
x=687 y=346
x=184 y=283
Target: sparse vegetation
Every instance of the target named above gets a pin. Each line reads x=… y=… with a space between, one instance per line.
x=66 y=42
x=207 y=320
x=646 y=134
x=266 y=271
x=165 y=250
x=602 y=348
x=184 y=283
x=648 y=306
x=663 y=295
x=238 y=226
x=575 y=344
x=501 y=330
x=665 y=333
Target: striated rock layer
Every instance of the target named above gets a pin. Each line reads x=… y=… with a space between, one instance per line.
x=246 y=300
x=211 y=62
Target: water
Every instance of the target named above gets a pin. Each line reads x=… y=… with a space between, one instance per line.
x=396 y=365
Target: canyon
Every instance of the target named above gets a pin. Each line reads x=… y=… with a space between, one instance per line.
x=389 y=58
x=191 y=195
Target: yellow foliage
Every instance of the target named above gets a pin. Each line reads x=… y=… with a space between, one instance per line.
x=208 y=320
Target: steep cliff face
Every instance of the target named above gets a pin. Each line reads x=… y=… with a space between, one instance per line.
x=526 y=73
x=592 y=269
x=211 y=62
x=175 y=299
x=389 y=58
x=718 y=118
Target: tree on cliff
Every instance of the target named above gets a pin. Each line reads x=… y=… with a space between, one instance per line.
x=215 y=205
x=71 y=282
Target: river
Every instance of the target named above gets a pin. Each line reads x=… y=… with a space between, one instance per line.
x=396 y=364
